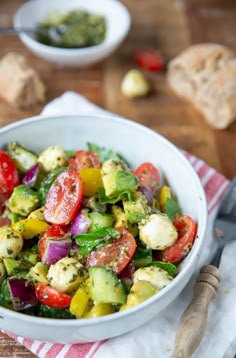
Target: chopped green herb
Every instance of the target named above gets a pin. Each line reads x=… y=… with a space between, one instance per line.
x=172 y=208
x=103 y=153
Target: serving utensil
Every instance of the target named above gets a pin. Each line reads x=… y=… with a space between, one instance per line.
x=230 y=351
x=193 y=322
x=54 y=33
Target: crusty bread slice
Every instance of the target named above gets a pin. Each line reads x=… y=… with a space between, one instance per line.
x=205 y=74
x=20 y=84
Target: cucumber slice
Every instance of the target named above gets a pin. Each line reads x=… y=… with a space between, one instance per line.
x=100 y=220
x=105 y=287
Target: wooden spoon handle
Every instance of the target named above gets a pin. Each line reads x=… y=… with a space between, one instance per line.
x=194 y=319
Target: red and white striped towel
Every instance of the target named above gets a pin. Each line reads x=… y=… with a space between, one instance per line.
x=158 y=335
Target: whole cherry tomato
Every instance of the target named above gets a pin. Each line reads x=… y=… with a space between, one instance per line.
x=148 y=176
x=84 y=159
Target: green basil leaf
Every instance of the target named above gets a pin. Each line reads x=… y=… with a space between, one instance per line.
x=142 y=256
x=172 y=208
x=47 y=183
x=103 y=199
x=98 y=234
x=167 y=266
x=103 y=153
x=95 y=239
x=70 y=153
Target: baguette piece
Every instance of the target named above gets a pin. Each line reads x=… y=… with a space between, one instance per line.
x=20 y=84
x=205 y=74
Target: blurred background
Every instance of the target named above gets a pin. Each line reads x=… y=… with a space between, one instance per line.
x=166 y=25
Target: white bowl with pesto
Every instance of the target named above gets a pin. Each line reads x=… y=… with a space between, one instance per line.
x=136 y=144
x=115 y=13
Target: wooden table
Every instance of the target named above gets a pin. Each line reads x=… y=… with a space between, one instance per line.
x=160 y=24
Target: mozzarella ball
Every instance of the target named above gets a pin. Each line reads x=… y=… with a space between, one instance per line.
x=11 y=242
x=156 y=276
x=134 y=84
x=157 y=232
x=66 y=274
x=52 y=158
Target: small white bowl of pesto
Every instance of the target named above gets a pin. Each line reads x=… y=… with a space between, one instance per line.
x=73 y=33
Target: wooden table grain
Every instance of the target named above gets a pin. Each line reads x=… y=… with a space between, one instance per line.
x=167 y=25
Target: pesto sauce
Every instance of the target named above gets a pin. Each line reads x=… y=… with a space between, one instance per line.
x=74 y=29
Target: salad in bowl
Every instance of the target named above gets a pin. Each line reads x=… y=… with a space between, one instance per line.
x=84 y=234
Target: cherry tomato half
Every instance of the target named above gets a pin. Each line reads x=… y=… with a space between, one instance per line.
x=187 y=229
x=64 y=198
x=9 y=177
x=150 y=60
x=148 y=175
x=115 y=255
x=49 y=296
x=54 y=231
x=84 y=159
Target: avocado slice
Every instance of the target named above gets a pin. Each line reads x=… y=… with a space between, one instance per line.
x=38 y=273
x=137 y=209
x=22 y=157
x=11 y=265
x=23 y=200
x=119 y=181
x=122 y=220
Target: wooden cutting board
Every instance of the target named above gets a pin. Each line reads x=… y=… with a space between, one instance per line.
x=160 y=24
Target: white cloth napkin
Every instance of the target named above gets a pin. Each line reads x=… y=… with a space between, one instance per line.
x=156 y=339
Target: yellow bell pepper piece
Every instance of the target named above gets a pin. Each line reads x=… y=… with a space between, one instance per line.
x=100 y=309
x=29 y=228
x=165 y=193
x=80 y=303
x=92 y=180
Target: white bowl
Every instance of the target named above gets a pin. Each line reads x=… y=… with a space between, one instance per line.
x=115 y=13
x=137 y=144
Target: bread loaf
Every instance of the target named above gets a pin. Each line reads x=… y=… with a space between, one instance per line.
x=20 y=85
x=205 y=74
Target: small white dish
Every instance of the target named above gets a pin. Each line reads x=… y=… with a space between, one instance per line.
x=34 y=11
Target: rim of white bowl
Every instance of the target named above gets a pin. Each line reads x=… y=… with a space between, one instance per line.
x=196 y=247
x=73 y=51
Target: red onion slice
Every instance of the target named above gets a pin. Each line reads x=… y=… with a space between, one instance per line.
x=22 y=293
x=31 y=175
x=147 y=192
x=81 y=223
x=55 y=250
